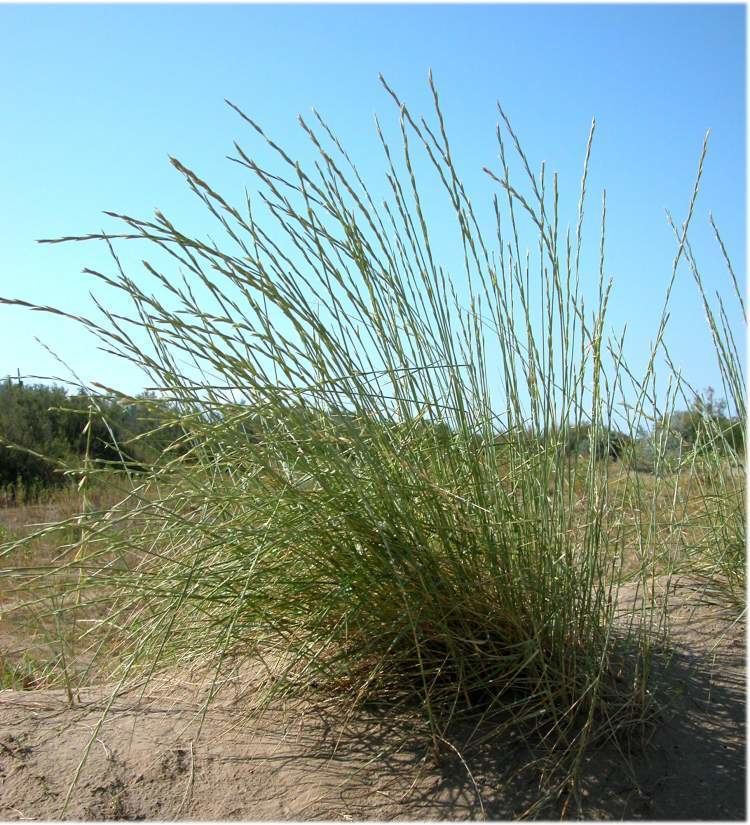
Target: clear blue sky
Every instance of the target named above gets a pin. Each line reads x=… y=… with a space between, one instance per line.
x=94 y=98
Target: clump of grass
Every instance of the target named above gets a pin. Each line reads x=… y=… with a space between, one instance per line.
x=714 y=458
x=715 y=466
x=373 y=492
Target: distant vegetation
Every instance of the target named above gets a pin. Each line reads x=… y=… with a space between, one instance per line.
x=706 y=427
x=45 y=430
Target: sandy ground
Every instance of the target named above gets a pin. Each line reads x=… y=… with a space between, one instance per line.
x=155 y=757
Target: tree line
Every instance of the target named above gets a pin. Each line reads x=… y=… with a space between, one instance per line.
x=46 y=429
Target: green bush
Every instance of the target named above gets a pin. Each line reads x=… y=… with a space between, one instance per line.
x=705 y=426
x=45 y=431
x=658 y=453
x=40 y=437
x=607 y=443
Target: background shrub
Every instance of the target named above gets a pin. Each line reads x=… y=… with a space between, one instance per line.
x=43 y=432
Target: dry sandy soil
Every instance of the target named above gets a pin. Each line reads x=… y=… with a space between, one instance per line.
x=149 y=760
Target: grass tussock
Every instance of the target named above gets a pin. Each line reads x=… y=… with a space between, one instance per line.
x=373 y=492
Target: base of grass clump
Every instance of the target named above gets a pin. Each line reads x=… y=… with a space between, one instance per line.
x=485 y=673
